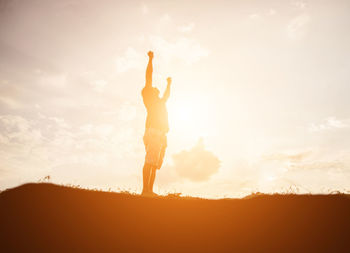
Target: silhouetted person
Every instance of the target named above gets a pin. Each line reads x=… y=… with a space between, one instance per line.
x=157 y=127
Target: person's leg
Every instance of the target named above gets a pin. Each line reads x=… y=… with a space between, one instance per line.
x=146 y=177
x=161 y=157
x=152 y=177
x=156 y=167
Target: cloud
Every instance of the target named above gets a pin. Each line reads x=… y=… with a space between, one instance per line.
x=130 y=60
x=99 y=85
x=127 y=112
x=326 y=165
x=259 y=15
x=318 y=159
x=300 y=4
x=297 y=27
x=187 y=28
x=254 y=16
x=165 y=19
x=183 y=48
x=272 y=12
x=10 y=103
x=196 y=164
x=58 y=81
x=20 y=142
x=17 y=131
x=144 y=9
x=32 y=147
x=283 y=157
x=330 y=123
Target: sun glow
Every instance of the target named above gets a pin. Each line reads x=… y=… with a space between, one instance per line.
x=190 y=116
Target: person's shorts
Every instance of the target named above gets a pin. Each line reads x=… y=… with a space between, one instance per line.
x=155 y=144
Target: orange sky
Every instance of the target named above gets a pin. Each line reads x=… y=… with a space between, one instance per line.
x=260 y=86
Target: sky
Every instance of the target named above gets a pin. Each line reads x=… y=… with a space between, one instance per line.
x=259 y=100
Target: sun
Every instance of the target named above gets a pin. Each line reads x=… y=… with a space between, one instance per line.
x=189 y=116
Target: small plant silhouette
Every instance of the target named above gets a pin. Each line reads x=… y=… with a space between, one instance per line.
x=45 y=179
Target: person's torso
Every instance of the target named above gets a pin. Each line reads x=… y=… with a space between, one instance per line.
x=157 y=114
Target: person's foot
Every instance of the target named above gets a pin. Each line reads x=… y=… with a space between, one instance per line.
x=152 y=194
x=149 y=194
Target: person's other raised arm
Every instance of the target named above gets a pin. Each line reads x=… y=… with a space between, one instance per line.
x=149 y=70
x=167 y=91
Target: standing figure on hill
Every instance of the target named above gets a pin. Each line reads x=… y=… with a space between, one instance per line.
x=157 y=127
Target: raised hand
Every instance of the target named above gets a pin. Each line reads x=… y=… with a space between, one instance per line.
x=169 y=80
x=150 y=54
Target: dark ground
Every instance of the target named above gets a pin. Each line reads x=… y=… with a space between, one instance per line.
x=52 y=218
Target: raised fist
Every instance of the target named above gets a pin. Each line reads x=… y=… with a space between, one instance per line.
x=150 y=54
x=169 y=80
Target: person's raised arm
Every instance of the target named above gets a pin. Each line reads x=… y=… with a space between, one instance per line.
x=149 y=70
x=167 y=91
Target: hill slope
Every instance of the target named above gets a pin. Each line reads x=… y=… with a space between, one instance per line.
x=51 y=218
